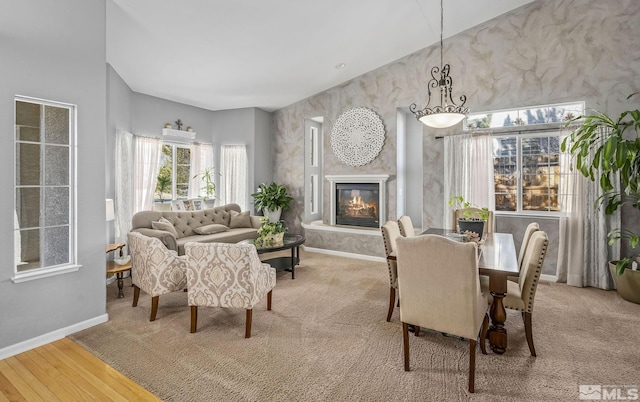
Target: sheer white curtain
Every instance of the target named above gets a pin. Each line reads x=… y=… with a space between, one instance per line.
x=583 y=252
x=468 y=170
x=123 y=185
x=145 y=171
x=201 y=159
x=234 y=167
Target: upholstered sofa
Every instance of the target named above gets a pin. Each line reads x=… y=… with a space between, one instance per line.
x=223 y=224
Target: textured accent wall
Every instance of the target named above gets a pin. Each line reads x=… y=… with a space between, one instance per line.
x=544 y=52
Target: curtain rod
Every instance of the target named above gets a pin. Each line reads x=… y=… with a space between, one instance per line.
x=506 y=130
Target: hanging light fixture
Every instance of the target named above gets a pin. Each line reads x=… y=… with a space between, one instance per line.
x=447 y=113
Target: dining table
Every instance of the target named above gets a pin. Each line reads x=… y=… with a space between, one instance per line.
x=497 y=260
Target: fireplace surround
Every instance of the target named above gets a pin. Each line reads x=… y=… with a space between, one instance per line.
x=357 y=200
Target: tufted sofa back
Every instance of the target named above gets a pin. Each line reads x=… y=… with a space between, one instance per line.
x=185 y=221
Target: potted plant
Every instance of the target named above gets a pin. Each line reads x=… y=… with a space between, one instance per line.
x=613 y=147
x=471 y=218
x=270 y=233
x=272 y=199
x=163 y=184
x=209 y=186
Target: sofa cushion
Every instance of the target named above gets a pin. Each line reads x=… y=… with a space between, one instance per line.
x=164 y=224
x=230 y=236
x=240 y=220
x=210 y=229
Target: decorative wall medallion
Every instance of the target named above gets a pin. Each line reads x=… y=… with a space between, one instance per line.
x=357 y=136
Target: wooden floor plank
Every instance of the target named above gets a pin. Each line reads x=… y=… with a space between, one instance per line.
x=24 y=389
x=8 y=392
x=110 y=376
x=17 y=364
x=64 y=370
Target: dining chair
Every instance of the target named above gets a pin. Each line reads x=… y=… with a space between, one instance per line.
x=390 y=233
x=155 y=269
x=438 y=283
x=531 y=229
x=459 y=213
x=227 y=275
x=521 y=295
x=406 y=226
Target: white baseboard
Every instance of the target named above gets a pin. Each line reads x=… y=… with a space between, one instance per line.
x=51 y=336
x=345 y=254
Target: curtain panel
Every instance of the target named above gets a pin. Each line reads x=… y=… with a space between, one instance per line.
x=123 y=185
x=201 y=159
x=234 y=170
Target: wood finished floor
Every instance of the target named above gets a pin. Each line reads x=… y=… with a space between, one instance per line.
x=64 y=371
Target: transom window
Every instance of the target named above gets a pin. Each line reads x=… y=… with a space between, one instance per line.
x=44 y=186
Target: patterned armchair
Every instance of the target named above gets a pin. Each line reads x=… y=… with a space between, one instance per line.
x=227 y=275
x=155 y=269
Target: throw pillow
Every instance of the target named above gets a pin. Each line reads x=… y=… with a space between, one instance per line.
x=164 y=224
x=240 y=220
x=210 y=229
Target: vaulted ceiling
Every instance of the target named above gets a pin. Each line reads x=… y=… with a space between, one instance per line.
x=228 y=54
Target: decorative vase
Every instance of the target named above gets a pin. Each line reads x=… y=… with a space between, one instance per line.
x=210 y=203
x=627 y=284
x=273 y=239
x=274 y=216
x=476 y=226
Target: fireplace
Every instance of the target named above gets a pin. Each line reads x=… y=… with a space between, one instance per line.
x=358 y=200
x=357 y=204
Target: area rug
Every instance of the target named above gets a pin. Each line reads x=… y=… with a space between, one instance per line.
x=327 y=339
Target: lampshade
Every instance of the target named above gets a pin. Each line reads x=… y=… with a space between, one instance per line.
x=110 y=211
x=442 y=120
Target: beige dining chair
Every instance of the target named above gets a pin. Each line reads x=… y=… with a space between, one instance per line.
x=531 y=229
x=460 y=213
x=406 y=226
x=521 y=295
x=438 y=283
x=390 y=233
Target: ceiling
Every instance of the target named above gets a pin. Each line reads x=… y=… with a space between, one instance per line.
x=229 y=54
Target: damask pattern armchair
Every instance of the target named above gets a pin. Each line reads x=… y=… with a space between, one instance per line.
x=155 y=269
x=227 y=275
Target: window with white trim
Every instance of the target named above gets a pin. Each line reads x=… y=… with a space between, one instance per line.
x=44 y=186
x=175 y=173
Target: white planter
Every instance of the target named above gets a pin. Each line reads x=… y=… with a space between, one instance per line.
x=208 y=204
x=274 y=216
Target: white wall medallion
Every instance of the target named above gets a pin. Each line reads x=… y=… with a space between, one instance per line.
x=357 y=136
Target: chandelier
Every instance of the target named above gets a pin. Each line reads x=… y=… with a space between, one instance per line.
x=447 y=113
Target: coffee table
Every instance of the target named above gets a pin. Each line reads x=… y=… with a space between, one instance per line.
x=290 y=242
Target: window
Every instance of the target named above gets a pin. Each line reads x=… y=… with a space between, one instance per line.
x=528 y=116
x=527 y=172
x=175 y=173
x=44 y=188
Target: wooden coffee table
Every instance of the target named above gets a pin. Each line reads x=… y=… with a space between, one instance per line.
x=290 y=242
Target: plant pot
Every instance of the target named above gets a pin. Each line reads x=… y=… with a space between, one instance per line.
x=627 y=284
x=476 y=226
x=208 y=204
x=274 y=216
x=272 y=239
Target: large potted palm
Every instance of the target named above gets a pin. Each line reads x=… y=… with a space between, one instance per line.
x=272 y=199
x=605 y=150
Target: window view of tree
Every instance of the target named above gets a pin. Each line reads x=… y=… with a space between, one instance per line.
x=174 y=174
x=525 y=117
x=527 y=173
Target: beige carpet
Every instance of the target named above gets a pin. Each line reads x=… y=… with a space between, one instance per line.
x=326 y=339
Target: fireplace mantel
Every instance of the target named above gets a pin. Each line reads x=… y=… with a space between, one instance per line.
x=380 y=179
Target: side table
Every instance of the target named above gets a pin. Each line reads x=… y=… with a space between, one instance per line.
x=118 y=270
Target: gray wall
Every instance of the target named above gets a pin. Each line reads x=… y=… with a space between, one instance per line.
x=549 y=51
x=49 y=52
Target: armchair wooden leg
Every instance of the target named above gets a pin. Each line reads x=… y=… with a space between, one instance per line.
x=483 y=334
x=194 y=318
x=472 y=365
x=529 y=332
x=405 y=345
x=154 y=307
x=392 y=302
x=247 y=331
x=269 y=300
x=136 y=295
